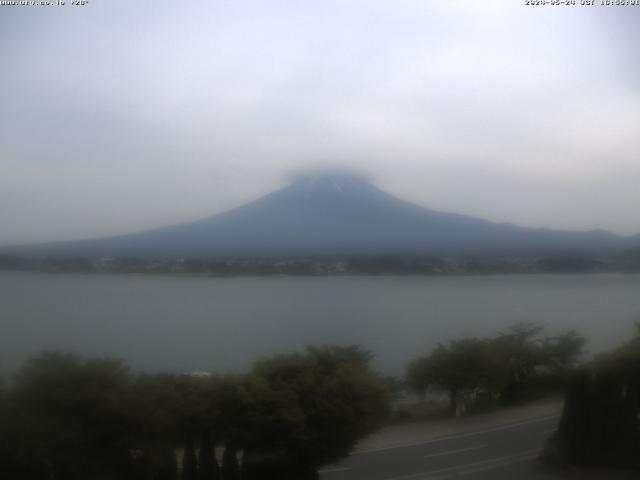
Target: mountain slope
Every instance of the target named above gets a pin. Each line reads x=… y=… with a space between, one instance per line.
x=333 y=214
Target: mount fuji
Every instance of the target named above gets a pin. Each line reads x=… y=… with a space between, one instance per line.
x=336 y=213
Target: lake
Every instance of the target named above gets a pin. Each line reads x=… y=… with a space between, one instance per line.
x=196 y=323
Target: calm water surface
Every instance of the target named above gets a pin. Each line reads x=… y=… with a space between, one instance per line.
x=178 y=323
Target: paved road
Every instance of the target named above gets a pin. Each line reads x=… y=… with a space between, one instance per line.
x=502 y=452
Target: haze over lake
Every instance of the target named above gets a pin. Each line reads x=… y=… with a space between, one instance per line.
x=203 y=323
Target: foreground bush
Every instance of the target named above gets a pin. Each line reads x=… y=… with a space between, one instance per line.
x=69 y=418
x=600 y=424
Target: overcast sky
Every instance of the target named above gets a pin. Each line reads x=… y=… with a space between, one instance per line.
x=120 y=115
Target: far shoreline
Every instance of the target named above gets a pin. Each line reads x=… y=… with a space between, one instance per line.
x=323 y=275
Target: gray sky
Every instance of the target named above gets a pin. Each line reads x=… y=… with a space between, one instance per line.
x=119 y=115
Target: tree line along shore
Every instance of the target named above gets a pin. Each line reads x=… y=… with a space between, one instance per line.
x=331 y=265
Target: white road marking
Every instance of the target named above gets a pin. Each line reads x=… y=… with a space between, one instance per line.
x=469 y=468
x=550 y=430
x=529 y=455
x=457 y=436
x=460 y=450
x=333 y=470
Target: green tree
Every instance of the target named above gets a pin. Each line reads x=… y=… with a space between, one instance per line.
x=461 y=368
x=527 y=356
x=230 y=467
x=561 y=354
x=189 y=462
x=505 y=367
x=208 y=469
x=153 y=406
x=519 y=353
x=72 y=414
x=306 y=410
